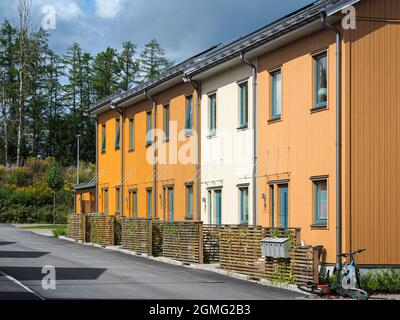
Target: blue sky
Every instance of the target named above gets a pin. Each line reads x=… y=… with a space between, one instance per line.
x=184 y=27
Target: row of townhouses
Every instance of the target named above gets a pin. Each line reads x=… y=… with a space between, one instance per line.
x=293 y=125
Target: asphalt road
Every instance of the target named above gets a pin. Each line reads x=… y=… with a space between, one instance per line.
x=85 y=272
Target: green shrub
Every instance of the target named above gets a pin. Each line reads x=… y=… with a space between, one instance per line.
x=33 y=214
x=19 y=177
x=387 y=282
x=60 y=231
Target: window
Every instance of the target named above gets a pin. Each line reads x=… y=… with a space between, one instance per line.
x=189 y=201
x=131 y=134
x=117 y=134
x=320 y=202
x=276 y=95
x=243 y=105
x=212 y=114
x=148 y=127
x=166 y=122
x=189 y=115
x=320 y=81
x=244 y=205
x=118 y=199
x=103 y=137
x=149 y=198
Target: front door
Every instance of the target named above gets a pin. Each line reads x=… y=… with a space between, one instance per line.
x=171 y=203
x=283 y=206
x=218 y=206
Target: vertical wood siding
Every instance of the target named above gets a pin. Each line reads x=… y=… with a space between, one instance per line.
x=375 y=133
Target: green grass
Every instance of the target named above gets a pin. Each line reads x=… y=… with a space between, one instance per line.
x=45 y=226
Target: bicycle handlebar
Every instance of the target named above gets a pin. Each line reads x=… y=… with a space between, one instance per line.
x=353 y=253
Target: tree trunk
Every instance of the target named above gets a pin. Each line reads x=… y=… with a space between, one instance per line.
x=5 y=126
x=54 y=208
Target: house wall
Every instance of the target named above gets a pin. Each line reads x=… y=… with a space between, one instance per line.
x=85 y=201
x=226 y=159
x=373 y=78
x=302 y=144
x=177 y=156
x=109 y=162
x=138 y=167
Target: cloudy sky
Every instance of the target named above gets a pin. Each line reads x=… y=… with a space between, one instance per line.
x=184 y=27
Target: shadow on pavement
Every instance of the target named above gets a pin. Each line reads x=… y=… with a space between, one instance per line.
x=3 y=243
x=35 y=273
x=22 y=254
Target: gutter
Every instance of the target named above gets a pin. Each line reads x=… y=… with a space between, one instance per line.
x=254 y=111
x=146 y=94
x=197 y=86
x=338 y=140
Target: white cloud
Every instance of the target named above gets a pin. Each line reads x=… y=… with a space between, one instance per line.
x=107 y=8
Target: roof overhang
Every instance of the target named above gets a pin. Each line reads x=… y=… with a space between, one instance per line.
x=339 y=6
x=269 y=46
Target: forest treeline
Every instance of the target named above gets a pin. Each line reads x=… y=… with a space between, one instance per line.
x=45 y=96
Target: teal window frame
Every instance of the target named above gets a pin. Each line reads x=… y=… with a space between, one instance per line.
x=212 y=114
x=166 y=121
x=117 y=133
x=103 y=138
x=320 y=196
x=275 y=115
x=272 y=204
x=244 y=205
x=243 y=105
x=149 y=126
x=131 y=134
x=189 y=201
x=149 y=193
x=189 y=115
x=317 y=64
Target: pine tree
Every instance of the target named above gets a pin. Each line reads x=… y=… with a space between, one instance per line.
x=105 y=73
x=153 y=61
x=128 y=66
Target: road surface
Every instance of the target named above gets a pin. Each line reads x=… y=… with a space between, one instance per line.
x=86 y=272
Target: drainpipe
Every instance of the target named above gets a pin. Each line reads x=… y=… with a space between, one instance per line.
x=97 y=166
x=121 y=112
x=197 y=86
x=155 y=151
x=338 y=141
x=255 y=138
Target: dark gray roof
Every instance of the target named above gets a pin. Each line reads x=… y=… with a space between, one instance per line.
x=84 y=186
x=221 y=53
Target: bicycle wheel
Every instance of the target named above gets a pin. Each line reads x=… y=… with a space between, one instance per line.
x=313 y=289
x=356 y=294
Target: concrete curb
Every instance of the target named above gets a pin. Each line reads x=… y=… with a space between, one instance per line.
x=205 y=267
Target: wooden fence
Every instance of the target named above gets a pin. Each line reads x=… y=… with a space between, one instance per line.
x=137 y=235
x=182 y=241
x=238 y=249
x=78 y=227
x=102 y=230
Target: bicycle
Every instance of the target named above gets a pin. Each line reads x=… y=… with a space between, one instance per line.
x=348 y=287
